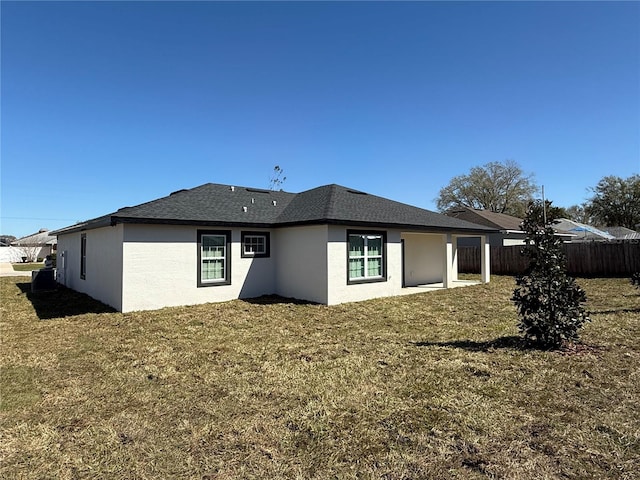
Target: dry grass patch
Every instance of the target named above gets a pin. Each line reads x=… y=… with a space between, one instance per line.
x=434 y=385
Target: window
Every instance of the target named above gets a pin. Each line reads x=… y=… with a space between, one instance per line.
x=214 y=262
x=83 y=256
x=366 y=257
x=255 y=244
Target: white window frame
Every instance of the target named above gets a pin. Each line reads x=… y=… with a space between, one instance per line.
x=257 y=244
x=255 y=235
x=225 y=259
x=365 y=257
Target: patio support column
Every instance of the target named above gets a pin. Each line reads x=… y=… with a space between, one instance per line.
x=485 y=259
x=450 y=273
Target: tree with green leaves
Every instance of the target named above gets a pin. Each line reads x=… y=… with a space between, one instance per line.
x=7 y=239
x=577 y=213
x=549 y=302
x=616 y=202
x=501 y=187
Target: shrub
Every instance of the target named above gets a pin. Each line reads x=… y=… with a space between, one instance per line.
x=635 y=279
x=549 y=302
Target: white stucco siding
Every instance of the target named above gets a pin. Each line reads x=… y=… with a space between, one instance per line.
x=14 y=254
x=338 y=289
x=103 y=279
x=301 y=270
x=423 y=258
x=161 y=269
x=510 y=242
x=11 y=254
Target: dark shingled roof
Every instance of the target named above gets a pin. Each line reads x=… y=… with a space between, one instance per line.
x=340 y=205
x=213 y=204
x=216 y=205
x=490 y=219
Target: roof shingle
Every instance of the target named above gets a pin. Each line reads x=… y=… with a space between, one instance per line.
x=215 y=204
x=490 y=219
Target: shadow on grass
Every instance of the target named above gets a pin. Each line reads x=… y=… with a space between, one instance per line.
x=276 y=300
x=618 y=310
x=512 y=342
x=62 y=302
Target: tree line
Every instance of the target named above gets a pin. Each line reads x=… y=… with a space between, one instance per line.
x=504 y=187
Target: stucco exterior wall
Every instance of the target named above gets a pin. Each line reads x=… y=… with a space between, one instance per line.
x=161 y=269
x=301 y=267
x=423 y=258
x=145 y=267
x=11 y=254
x=103 y=280
x=338 y=289
x=14 y=254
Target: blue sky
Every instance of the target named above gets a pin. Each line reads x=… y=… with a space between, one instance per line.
x=109 y=104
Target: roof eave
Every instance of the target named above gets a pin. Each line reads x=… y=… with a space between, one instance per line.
x=399 y=226
x=90 y=225
x=115 y=219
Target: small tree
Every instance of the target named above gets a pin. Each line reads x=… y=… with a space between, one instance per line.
x=29 y=251
x=635 y=279
x=549 y=302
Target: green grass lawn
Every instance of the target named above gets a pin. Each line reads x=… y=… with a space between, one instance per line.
x=27 y=267
x=434 y=385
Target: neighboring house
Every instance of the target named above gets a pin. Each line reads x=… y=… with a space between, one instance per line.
x=582 y=231
x=509 y=230
x=217 y=242
x=35 y=246
x=621 y=233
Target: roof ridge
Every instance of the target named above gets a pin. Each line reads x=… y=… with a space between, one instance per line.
x=331 y=201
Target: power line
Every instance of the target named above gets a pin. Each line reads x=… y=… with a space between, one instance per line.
x=41 y=218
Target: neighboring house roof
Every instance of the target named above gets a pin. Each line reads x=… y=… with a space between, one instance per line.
x=622 y=233
x=581 y=230
x=500 y=221
x=42 y=237
x=216 y=205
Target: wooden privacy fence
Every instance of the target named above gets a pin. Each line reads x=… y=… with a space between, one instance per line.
x=586 y=259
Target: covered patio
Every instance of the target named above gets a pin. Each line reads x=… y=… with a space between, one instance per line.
x=430 y=261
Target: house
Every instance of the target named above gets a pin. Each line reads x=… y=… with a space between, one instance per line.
x=583 y=232
x=509 y=231
x=621 y=233
x=35 y=246
x=215 y=242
